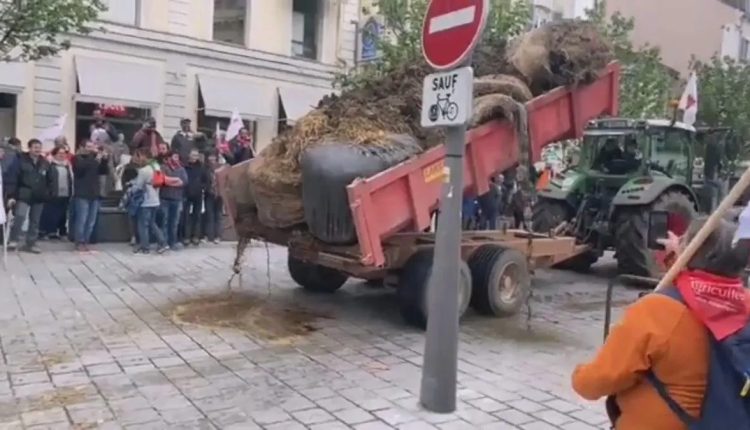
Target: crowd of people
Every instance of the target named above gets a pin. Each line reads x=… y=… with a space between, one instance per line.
x=169 y=190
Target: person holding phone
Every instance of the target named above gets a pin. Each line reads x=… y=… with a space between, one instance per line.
x=90 y=162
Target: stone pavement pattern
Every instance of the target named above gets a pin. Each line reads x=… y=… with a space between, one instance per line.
x=91 y=341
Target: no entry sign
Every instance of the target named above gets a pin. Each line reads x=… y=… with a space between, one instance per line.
x=450 y=30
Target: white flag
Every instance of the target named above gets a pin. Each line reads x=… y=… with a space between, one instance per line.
x=689 y=100
x=235 y=125
x=54 y=131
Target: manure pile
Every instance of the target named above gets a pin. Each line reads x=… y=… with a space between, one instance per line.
x=556 y=54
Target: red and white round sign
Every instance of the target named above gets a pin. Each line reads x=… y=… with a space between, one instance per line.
x=451 y=29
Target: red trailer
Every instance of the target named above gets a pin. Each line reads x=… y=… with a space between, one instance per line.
x=392 y=214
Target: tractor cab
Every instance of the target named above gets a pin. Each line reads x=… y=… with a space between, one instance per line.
x=631 y=148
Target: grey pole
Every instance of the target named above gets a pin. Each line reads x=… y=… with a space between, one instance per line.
x=439 y=370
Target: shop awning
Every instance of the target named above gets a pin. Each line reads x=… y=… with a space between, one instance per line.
x=221 y=96
x=298 y=101
x=12 y=77
x=118 y=82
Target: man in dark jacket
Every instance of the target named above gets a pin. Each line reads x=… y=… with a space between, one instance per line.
x=88 y=164
x=147 y=137
x=183 y=141
x=196 y=186
x=10 y=164
x=30 y=196
x=241 y=148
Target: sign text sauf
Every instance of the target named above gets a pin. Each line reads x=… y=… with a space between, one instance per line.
x=445 y=83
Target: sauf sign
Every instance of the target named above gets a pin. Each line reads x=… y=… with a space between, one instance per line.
x=450 y=31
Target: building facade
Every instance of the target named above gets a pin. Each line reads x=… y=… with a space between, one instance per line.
x=199 y=59
x=686 y=28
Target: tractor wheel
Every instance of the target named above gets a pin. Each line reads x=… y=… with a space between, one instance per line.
x=547 y=215
x=314 y=277
x=501 y=280
x=413 y=285
x=631 y=233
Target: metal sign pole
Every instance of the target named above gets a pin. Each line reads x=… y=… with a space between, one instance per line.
x=450 y=31
x=440 y=368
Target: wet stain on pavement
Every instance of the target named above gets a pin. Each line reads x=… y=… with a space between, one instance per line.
x=257 y=317
x=151 y=278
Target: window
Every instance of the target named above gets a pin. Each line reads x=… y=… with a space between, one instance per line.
x=126 y=12
x=744 y=49
x=670 y=152
x=541 y=16
x=126 y=120
x=230 y=17
x=305 y=22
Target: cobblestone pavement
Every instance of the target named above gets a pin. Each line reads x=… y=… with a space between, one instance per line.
x=111 y=340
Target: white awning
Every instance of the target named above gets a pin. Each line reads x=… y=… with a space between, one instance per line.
x=12 y=77
x=299 y=101
x=118 y=82
x=221 y=96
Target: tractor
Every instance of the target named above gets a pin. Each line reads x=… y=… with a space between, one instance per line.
x=627 y=169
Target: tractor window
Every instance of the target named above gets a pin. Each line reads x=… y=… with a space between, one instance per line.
x=670 y=152
x=615 y=154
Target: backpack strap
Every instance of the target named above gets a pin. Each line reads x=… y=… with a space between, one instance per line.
x=686 y=419
x=673 y=405
x=673 y=293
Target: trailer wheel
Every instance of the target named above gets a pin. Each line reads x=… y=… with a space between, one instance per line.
x=314 y=277
x=413 y=284
x=501 y=280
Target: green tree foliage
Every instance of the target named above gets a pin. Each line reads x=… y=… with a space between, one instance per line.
x=724 y=95
x=32 y=29
x=401 y=44
x=646 y=84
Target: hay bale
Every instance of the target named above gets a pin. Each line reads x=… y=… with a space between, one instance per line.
x=493 y=107
x=567 y=52
x=502 y=84
x=278 y=201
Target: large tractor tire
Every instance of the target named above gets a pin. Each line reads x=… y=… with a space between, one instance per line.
x=413 y=288
x=501 y=281
x=314 y=277
x=631 y=233
x=546 y=216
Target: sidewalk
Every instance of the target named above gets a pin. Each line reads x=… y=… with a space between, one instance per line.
x=114 y=340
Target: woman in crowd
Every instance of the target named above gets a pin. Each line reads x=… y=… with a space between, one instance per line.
x=60 y=177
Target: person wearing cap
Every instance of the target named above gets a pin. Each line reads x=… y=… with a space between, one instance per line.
x=183 y=141
x=147 y=137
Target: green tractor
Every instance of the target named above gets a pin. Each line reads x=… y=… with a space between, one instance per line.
x=627 y=169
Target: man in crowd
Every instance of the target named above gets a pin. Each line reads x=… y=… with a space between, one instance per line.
x=183 y=141
x=147 y=137
x=29 y=197
x=55 y=213
x=241 y=147
x=197 y=178
x=146 y=213
x=171 y=197
x=102 y=131
x=11 y=165
x=88 y=165
x=213 y=201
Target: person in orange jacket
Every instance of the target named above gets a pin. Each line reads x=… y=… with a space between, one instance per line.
x=660 y=334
